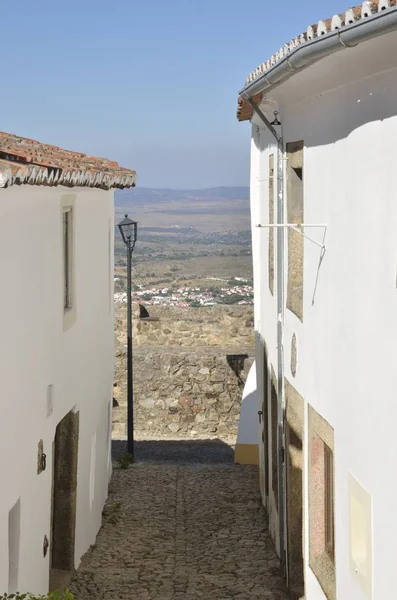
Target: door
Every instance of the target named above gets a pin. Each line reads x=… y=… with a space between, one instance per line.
x=265 y=422
x=64 y=497
x=294 y=489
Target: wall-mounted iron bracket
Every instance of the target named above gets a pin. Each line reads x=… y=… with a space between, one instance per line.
x=299 y=227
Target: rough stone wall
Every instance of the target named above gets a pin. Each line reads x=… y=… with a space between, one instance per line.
x=218 y=326
x=190 y=367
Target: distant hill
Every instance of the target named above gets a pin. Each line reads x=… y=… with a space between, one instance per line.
x=158 y=195
x=206 y=210
x=187 y=236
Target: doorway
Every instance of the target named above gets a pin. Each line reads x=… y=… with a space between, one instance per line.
x=265 y=422
x=64 y=497
x=294 y=489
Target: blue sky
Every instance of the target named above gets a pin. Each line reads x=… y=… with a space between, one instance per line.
x=150 y=83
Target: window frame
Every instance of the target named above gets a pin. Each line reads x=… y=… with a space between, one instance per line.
x=68 y=205
x=295 y=206
x=67 y=246
x=329 y=512
x=321 y=502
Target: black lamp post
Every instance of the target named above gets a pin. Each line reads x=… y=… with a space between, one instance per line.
x=128 y=230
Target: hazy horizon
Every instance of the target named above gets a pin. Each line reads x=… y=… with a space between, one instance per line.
x=152 y=85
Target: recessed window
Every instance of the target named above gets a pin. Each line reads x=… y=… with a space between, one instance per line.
x=329 y=501
x=67 y=257
x=295 y=214
x=322 y=502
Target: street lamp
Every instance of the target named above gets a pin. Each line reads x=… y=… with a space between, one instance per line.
x=129 y=230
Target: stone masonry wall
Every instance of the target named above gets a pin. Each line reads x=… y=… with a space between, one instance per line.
x=215 y=326
x=190 y=366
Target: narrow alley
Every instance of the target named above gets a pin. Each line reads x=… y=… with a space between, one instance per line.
x=185 y=523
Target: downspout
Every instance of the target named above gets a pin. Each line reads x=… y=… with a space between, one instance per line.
x=280 y=334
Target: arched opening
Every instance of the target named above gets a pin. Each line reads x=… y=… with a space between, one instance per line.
x=64 y=498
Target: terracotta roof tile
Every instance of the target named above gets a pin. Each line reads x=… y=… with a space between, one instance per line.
x=25 y=161
x=366 y=9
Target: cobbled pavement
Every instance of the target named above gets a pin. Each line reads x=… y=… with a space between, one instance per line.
x=182 y=523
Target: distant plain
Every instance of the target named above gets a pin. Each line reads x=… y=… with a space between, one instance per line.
x=186 y=237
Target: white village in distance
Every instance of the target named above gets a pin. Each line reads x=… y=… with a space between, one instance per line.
x=188 y=296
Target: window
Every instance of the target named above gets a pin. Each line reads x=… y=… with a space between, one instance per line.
x=271 y=221
x=329 y=501
x=67 y=257
x=295 y=214
x=68 y=260
x=321 y=503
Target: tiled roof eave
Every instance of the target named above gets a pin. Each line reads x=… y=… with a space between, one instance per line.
x=291 y=57
x=35 y=175
x=28 y=162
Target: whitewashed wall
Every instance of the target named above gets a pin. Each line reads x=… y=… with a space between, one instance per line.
x=35 y=352
x=265 y=305
x=344 y=108
x=247 y=427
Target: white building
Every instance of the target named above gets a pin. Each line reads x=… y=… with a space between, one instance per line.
x=56 y=357
x=326 y=300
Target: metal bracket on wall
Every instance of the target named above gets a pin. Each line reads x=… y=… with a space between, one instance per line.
x=298 y=227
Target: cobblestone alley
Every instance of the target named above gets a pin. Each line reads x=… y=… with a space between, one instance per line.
x=182 y=523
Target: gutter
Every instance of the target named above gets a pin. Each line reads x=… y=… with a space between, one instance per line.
x=311 y=52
